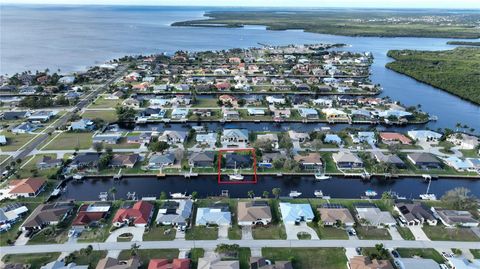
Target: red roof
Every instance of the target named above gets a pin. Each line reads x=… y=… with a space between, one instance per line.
x=395 y=136
x=27 y=185
x=84 y=218
x=140 y=213
x=163 y=264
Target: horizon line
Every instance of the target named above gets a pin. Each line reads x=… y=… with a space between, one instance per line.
x=227 y=6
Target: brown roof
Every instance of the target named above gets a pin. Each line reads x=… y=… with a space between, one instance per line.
x=252 y=211
x=331 y=215
x=46 y=213
x=362 y=262
x=27 y=185
x=309 y=158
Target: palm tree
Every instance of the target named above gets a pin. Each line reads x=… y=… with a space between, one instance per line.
x=276 y=192
x=251 y=194
x=134 y=249
x=266 y=194
x=112 y=191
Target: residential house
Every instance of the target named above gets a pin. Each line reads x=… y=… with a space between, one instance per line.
x=424 y=160
x=107 y=138
x=124 y=160
x=14 y=115
x=311 y=161
x=255 y=112
x=28 y=187
x=165 y=264
x=363 y=262
x=333 y=114
x=112 y=263
x=41 y=116
x=208 y=139
x=173 y=137
x=370 y=215
x=218 y=214
x=82 y=125
x=62 y=265
x=308 y=113
x=230 y=114
x=458 y=164
x=214 y=262
x=138 y=215
x=364 y=137
x=268 y=158
x=332 y=139
x=233 y=137
x=454 y=218
x=298 y=137
x=175 y=212
x=233 y=160
x=10 y=214
x=85 y=160
x=143 y=138
x=228 y=100
x=24 y=128
x=323 y=102
x=463 y=141
x=389 y=159
x=3 y=140
x=295 y=213
x=159 y=160
x=333 y=214
x=47 y=214
x=463 y=263
x=272 y=138
x=347 y=160
x=393 y=138
x=415 y=263
x=89 y=215
x=47 y=162
x=202 y=159
x=179 y=113
x=262 y=263
x=131 y=103
x=254 y=213
x=413 y=214
x=424 y=135
x=280 y=114
x=275 y=100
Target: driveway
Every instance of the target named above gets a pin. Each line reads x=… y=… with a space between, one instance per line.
x=418 y=233
x=247 y=233
x=22 y=239
x=350 y=253
x=293 y=230
x=137 y=233
x=394 y=233
x=223 y=231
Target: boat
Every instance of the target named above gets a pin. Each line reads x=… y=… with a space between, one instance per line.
x=365 y=175
x=179 y=195
x=294 y=194
x=318 y=193
x=236 y=176
x=319 y=175
x=103 y=196
x=427 y=195
x=370 y=193
x=77 y=177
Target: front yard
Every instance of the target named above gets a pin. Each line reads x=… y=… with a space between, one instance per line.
x=201 y=233
x=425 y=253
x=442 y=233
x=15 y=141
x=306 y=258
x=159 y=233
x=372 y=233
x=36 y=260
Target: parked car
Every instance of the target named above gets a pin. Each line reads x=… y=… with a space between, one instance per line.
x=395 y=254
x=359 y=251
x=352 y=232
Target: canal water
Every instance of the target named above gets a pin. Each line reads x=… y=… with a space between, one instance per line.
x=337 y=187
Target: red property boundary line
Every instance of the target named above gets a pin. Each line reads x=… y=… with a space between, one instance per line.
x=252 y=151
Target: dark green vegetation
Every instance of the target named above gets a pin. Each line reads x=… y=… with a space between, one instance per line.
x=304 y=258
x=463 y=43
x=456 y=71
x=349 y=22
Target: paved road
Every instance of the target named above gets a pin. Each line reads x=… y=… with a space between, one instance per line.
x=211 y=244
x=64 y=119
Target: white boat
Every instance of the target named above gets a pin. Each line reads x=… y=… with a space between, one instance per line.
x=179 y=195
x=321 y=175
x=318 y=193
x=365 y=175
x=426 y=195
x=294 y=194
x=370 y=193
x=236 y=176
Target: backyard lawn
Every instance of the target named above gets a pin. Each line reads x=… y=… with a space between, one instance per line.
x=69 y=141
x=426 y=253
x=146 y=255
x=372 y=233
x=36 y=260
x=441 y=233
x=106 y=115
x=306 y=258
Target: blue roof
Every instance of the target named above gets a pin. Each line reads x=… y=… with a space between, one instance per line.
x=293 y=212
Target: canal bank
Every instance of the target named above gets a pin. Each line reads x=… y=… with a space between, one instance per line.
x=205 y=186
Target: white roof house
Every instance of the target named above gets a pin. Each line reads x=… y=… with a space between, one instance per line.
x=292 y=213
x=175 y=212
x=463 y=263
x=424 y=135
x=415 y=263
x=374 y=216
x=216 y=216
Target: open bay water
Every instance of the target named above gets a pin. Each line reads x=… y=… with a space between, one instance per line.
x=71 y=38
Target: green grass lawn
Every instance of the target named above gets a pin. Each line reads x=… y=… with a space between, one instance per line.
x=106 y=115
x=372 y=233
x=195 y=254
x=328 y=232
x=159 y=233
x=15 y=141
x=235 y=232
x=3 y=158
x=146 y=255
x=81 y=258
x=70 y=141
x=36 y=260
x=244 y=255
x=100 y=234
x=426 y=253
x=273 y=231
x=101 y=102
x=206 y=102
x=30 y=168
x=306 y=258
x=405 y=233
x=441 y=233
x=12 y=233
x=475 y=253
x=201 y=233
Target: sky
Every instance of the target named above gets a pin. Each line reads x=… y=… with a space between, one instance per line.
x=272 y=3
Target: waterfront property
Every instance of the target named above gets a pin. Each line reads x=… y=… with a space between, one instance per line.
x=335 y=215
x=370 y=215
x=217 y=214
x=47 y=214
x=455 y=218
x=89 y=215
x=296 y=213
x=254 y=213
x=138 y=215
x=412 y=214
x=175 y=212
